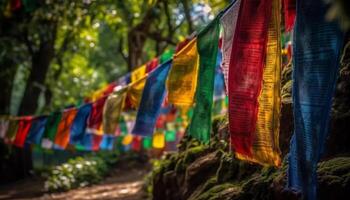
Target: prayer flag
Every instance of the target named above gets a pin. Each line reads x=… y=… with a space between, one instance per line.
x=107 y=142
x=316 y=50
x=158 y=140
x=37 y=130
x=151 y=65
x=96 y=141
x=167 y=55
x=95 y=119
x=170 y=136
x=24 y=124
x=246 y=72
x=152 y=98
x=135 y=90
x=51 y=129
x=207 y=44
x=136 y=143
x=127 y=139
x=289 y=13
x=79 y=123
x=63 y=129
x=182 y=80
x=266 y=141
x=228 y=22
x=147 y=143
x=112 y=109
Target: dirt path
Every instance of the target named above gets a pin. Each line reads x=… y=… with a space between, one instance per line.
x=124 y=183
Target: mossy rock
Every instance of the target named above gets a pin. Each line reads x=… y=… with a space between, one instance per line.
x=225 y=191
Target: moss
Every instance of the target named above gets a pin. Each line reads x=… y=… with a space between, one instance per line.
x=220 y=192
x=335 y=171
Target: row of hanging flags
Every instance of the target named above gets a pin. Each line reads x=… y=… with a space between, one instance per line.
x=234 y=61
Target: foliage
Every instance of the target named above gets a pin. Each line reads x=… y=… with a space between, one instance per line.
x=80 y=171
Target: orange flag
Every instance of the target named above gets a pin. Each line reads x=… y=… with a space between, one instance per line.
x=63 y=130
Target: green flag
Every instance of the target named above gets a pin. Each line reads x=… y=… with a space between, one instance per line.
x=147 y=142
x=170 y=136
x=51 y=125
x=207 y=45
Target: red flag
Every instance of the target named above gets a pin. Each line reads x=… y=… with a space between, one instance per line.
x=95 y=118
x=96 y=141
x=152 y=65
x=24 y=125
x=136 y=143
x=289 y=13
x=246 y=71
x=15 y=5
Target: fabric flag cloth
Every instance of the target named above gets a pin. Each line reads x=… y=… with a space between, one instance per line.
x=107 y=142
x=63 y=128
x=246 y=72
x=228 y=22
x=78 y=127
x=182 y=79
x=289 y=13
x=136 y=143
x=219 y=83
x=316 y=51
x=151 y=65
x=152 y=99
x=135 y=90
x=266 y=141
x=24 y=125
x=51 y=129
x=112 y=109
x=138 y=73
x=170 y=136
x=127 y=139
x=207 y=44
x=15 y=5
x=86 y=143
x=147 y=143
x=124 y=80
x=37 y=130
x=4 y=124
x=96 y=141
x=158 y=141
x=94 y=123
x=167 y=55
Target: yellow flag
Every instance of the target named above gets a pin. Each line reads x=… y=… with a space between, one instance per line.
x=182 y=79
x=158 y=140
x=138 y=73
x=127 y=139
x=135 y=90
x=112 y=109
x=266 y=146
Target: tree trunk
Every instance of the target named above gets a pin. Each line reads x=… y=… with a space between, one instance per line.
x=7 y=75
x=40 y=65
x=136 y=42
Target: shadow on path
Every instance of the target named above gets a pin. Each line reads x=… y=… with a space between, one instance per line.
x=124 y=183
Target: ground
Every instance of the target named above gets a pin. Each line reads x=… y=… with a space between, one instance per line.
x=124 y=183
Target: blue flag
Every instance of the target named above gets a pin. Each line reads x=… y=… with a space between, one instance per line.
x=79 y=124
x=151 y=101
x=107 y=142
x=316 y=47
x=37 y=130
